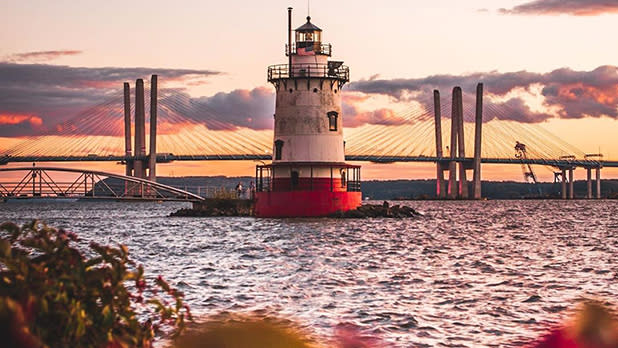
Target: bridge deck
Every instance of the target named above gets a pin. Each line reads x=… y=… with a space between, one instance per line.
x=376 y=159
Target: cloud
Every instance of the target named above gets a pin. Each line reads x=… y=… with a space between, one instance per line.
x=6 y=119
x=11 y=124
x=570 y=7
x=39 y=56
x=88 y=101
x=245 y=108
x=45 y=99
x=383 y=116
x=353 y=116
x=574 y=94
x=57 y=93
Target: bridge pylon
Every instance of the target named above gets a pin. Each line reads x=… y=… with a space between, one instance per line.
x=452 y=167
x=457 y=154
x=440 y=189
x=138 y=164
x=478 y=134
x=127 y=135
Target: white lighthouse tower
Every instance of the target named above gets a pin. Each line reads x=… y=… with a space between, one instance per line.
x=308 y=175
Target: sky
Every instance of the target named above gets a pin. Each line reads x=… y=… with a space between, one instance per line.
x=551 y=63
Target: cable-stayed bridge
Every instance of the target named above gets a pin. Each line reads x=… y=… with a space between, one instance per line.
x=189 y=130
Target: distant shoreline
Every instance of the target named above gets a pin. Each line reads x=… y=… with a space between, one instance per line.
x=420 y=189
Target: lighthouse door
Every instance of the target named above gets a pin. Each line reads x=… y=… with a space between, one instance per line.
x=294 y=178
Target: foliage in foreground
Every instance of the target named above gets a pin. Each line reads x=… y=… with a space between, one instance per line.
x=51 y=295
x=234 y=331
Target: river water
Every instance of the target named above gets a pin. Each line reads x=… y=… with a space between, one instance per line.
x=466 y=274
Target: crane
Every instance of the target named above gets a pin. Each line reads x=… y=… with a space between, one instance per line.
x=520 y=153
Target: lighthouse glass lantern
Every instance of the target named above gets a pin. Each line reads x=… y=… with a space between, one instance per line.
x=308 y=175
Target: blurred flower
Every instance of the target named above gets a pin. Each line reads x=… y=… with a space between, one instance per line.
x=594 y=326
x=243 y=333
x=350 y=336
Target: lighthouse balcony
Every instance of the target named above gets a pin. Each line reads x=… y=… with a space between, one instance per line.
x=332 y=70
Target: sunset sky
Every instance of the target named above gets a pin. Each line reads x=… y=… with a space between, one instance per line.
x=549 y=63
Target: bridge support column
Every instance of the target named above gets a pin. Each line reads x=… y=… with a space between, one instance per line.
x=563 y=187
x=452 y=167
x=439 y=154
x=140 y=131
x=463 y=180
x=478 y=130
x=127 y=130
x=152 y=160
x=571 y=193
x=128 y=153
x=598 y=179
x=588 y=183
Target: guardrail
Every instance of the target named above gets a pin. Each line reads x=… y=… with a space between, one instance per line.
x=325 y=49
x=283 y=71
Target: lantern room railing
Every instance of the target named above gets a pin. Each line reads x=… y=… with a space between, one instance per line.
x=332 y=70
x=317 y=48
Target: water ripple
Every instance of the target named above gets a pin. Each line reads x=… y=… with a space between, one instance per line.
x=468 y=274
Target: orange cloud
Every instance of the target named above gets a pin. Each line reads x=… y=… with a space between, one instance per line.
x=355 y=97
x=13 y=119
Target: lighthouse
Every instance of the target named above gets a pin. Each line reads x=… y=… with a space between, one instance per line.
x=308 y=175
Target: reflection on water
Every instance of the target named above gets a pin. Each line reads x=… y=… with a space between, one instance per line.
x=467 y=274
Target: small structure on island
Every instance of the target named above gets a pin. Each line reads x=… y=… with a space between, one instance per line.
x=308 y=175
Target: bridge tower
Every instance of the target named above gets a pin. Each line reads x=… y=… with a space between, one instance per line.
x=137 y=163
x=308 y=175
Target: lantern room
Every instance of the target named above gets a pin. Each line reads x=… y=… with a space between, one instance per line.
x=309 y=41
x=308 y=34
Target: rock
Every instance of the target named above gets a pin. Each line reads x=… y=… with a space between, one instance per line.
x=237 y=207
x=218 y=207
x=375 y=211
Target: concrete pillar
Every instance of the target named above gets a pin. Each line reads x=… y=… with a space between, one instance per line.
x=478 y=130
x=463 y=180
x=140 y=130
x=598 y=179
x=588 y=183
x=571 y=192
x=152 y=162
x=439 y=154
x=563 y=190
x=127 y=129
x=452 y=166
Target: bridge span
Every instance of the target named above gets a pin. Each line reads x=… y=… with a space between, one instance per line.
x=89 y=184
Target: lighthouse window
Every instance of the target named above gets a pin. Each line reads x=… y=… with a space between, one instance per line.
x=332 y=120
x=278 y=147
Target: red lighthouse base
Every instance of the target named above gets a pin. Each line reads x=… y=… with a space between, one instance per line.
x=304 y=203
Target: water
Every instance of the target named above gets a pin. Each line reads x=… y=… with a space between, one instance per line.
x=467 y=274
